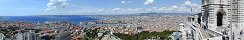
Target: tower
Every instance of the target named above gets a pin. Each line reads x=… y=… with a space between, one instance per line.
x=224 y=14
x=215 y=13
x=237 y=11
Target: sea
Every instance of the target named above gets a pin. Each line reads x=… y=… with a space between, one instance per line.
x=41 y=19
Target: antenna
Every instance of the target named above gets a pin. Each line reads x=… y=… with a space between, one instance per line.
x=191 y=7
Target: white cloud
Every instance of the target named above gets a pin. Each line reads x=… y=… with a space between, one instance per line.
x=175 y=7
x=182 y=8
x=148 y=2
x=189 y=5
x=123 y=2
x=57 y=4
x=126 y=1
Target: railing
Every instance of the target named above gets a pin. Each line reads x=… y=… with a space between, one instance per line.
x=214 y=32
x=201 y=37
x=194 y=26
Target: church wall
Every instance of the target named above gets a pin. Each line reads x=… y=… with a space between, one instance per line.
x=212 y=7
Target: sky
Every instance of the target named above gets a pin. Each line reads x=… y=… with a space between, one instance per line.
x=96 y=7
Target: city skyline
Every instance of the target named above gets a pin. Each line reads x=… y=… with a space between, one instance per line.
x=95 y=7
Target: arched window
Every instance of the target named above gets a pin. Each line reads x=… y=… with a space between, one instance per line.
x=219 y=18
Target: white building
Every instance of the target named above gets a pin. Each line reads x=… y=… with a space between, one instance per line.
x=1 y=36
x=20 y=36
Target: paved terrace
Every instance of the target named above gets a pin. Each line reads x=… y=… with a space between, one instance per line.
x=204 y=33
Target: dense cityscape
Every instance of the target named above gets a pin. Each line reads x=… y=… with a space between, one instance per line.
x=123 y=27
x=121 y=20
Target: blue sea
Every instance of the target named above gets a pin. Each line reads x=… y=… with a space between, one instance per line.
x=73 y=19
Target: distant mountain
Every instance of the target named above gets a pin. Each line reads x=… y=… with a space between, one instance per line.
x=74 y=19
x=171 y=14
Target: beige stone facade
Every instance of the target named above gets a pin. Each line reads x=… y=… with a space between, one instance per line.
x=221 y=13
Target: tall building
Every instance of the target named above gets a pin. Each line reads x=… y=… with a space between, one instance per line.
x=19 y=36
x=1 y=36
x=31 y=35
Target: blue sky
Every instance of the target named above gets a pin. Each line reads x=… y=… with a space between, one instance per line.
x=95 y=7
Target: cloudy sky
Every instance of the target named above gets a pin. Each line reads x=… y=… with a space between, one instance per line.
x=95 y=7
